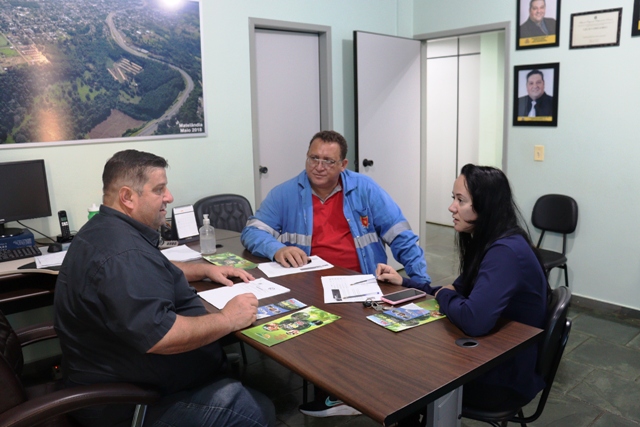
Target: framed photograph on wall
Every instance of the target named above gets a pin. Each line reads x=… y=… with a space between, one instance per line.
x=84 y=72
x=538 y=24
x=600 y=28
x=635 y=24
x=535 y=94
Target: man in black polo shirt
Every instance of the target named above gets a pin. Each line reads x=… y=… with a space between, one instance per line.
x=124 y=313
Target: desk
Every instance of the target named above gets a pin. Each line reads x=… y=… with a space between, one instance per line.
x=22 y=290
x=385 y=375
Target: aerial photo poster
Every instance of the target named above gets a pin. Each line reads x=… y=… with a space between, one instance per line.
x=75 y=71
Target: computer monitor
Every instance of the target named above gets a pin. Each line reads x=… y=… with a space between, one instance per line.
x=23 y=194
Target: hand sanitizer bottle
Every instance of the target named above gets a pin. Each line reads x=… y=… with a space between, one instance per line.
x=207 y=237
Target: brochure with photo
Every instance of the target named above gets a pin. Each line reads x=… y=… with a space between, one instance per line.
x=230 y=260
x=290 y=326
x=279 y=308
x=398 y=319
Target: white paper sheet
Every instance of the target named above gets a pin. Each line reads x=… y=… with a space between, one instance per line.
x=261 y=288
x=181 y=253
x=273 y=269
x=356 y=288
x=50 y=260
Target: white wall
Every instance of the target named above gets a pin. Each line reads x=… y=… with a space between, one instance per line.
x=590 y=155
x=222 y=162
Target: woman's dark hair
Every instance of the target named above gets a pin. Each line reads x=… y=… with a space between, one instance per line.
x=498 y=217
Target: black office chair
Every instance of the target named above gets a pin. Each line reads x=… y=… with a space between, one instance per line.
x=550 y=352
x=47 y=402
x=227 y=211
x=558 y=214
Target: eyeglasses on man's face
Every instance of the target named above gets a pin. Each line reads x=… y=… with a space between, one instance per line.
x=315 y=161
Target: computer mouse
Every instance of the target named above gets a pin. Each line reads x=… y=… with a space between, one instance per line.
x=55 y=247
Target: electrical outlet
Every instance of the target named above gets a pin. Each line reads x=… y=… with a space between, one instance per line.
x=538 y=153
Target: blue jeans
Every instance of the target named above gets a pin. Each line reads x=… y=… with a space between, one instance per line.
x=224 y=402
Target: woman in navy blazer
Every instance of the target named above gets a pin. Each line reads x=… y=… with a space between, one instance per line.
x=501 y=275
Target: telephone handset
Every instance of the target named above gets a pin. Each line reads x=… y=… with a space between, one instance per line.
x=64 y=226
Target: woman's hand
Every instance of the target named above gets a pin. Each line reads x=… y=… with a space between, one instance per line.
x=445 y=287
x=386 y=273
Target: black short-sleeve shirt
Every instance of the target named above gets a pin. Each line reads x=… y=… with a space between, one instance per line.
x=116 y=297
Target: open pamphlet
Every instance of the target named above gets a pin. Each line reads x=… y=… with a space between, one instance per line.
x=274 y=269
x=290 y=326
x=355 y=288
x=408 y=316
x=261 y=288
x=230 y=260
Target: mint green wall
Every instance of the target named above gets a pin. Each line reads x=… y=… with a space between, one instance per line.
x=592 y=153
x=589 y=155
x=222 y=162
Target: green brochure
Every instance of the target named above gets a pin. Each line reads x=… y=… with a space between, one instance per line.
x=290 y=326
x=230 y=260
x=398 y=319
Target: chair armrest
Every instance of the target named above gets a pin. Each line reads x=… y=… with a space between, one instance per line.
x=35 y=333
x=35 y=411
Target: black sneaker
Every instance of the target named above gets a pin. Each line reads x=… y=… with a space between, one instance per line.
x=328 y=407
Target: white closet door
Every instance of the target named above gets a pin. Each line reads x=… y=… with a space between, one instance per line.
x=468 y=111
x=453 y=118
x=288 y=102
x=442 y=130
x=388 y=118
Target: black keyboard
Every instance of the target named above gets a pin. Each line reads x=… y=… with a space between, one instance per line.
x=19 y=253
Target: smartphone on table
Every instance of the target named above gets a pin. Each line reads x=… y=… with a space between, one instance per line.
x=403 y=296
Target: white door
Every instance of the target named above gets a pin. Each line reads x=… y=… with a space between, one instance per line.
x=288 y=104
x=388 y=118
x=455 y=133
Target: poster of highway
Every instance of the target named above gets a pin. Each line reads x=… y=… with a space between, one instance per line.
x=77 y=71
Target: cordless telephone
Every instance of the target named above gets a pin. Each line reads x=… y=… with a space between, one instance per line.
x=64 y=226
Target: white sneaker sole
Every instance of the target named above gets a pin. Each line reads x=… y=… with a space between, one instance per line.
x=338 y=410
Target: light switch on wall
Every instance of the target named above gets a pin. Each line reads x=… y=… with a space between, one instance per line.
x=538 y=153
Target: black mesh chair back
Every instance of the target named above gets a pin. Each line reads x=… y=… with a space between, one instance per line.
x=227 y=211
x=550 y=351
x=558 y=214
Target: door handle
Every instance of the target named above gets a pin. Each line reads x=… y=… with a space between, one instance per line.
x=263 y=169
x=366 y=163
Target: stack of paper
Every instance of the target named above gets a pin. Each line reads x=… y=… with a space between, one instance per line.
x=181 y=253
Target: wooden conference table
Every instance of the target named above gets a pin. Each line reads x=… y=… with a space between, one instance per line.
x=385 y=375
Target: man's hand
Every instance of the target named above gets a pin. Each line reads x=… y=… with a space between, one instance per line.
x=241 y=311
x=195 y=271
x=386 y=273
x=220 y=274
x=291 y=256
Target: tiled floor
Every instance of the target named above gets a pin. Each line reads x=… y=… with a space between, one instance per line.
x=598 y=383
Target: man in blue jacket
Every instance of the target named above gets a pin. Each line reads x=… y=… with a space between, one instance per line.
x=342 y=216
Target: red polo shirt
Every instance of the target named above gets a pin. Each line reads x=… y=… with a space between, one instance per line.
x=332 y=239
